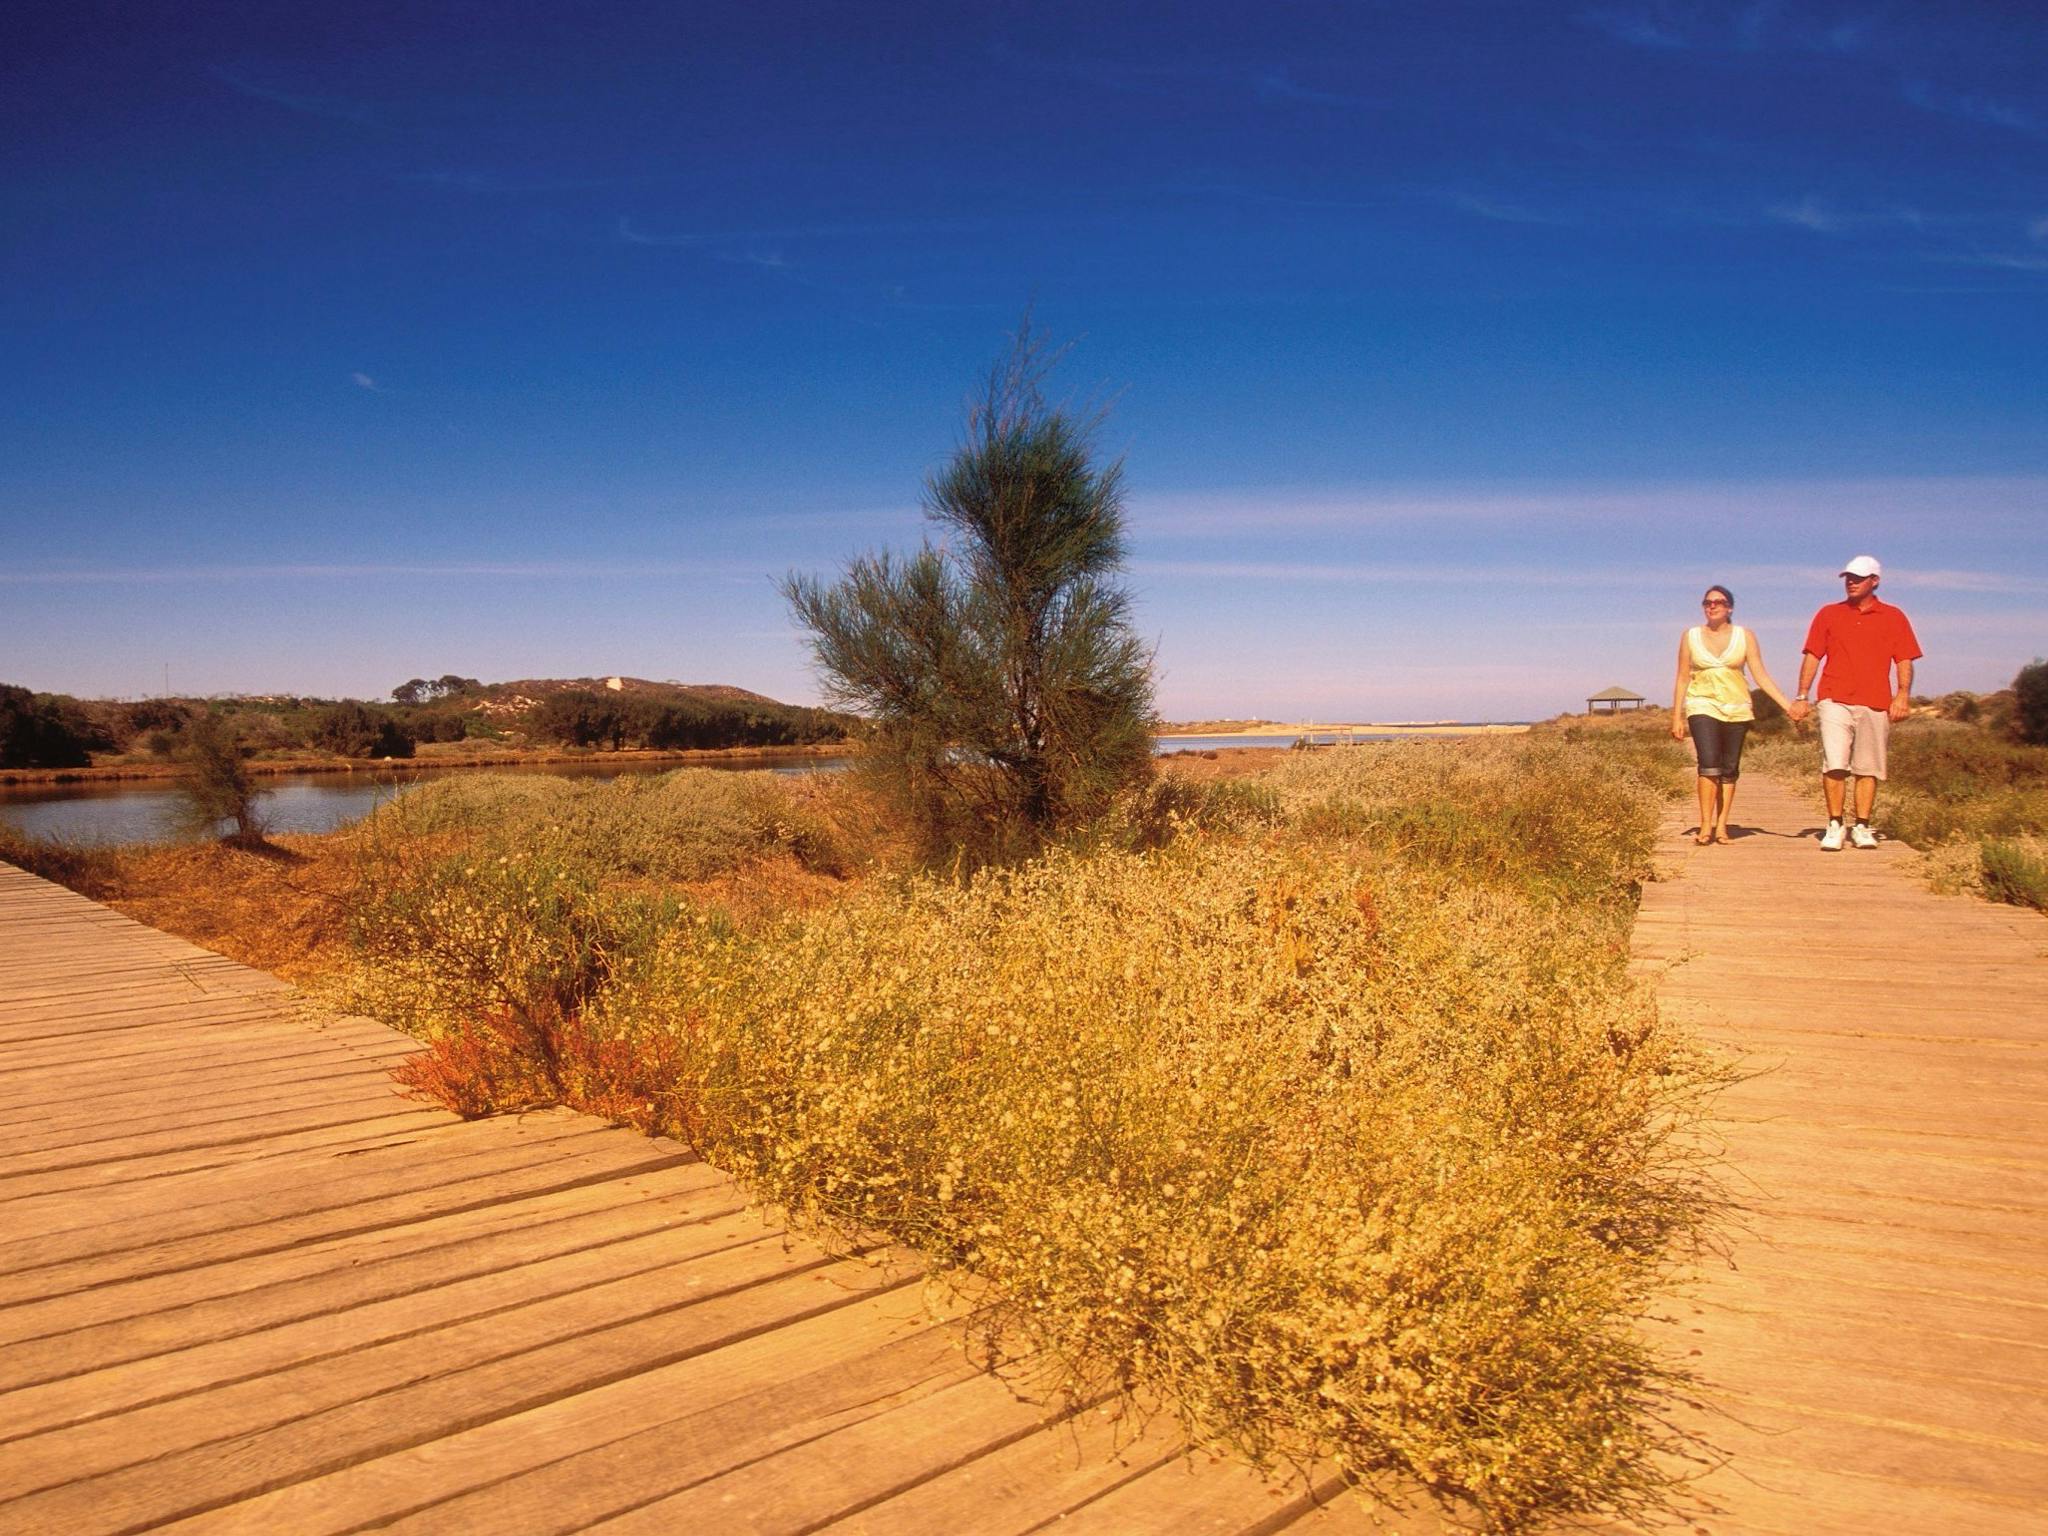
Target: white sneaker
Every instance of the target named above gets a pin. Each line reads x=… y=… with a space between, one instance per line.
x=1862 y=836
x=1831 y=840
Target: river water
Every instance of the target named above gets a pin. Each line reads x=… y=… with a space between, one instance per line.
x=143 y=810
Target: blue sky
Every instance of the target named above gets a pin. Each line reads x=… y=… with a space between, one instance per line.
x=1453 y=348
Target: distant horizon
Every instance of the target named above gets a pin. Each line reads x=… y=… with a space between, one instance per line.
x=1452 y=349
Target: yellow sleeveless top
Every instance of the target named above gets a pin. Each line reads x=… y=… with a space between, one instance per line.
x=1716 y=687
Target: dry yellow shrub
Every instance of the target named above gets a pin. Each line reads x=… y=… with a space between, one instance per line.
x=1334 y=1124
x=1331 y=1154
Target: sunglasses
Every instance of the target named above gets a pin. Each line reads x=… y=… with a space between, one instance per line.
x=1715 y=602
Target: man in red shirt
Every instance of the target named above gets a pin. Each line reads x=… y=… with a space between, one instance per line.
x=1861 y=640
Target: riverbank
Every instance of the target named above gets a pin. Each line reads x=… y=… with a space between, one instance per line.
x=429 y=758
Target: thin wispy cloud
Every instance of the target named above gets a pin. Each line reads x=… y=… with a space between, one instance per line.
x=1279 y=86
x=1578 y=576
x=1640 y=27
x=340 y=109
x=364 y=381
x=2038 y=230
x=1825 y=218
x=1902 y=501
x=1503 y=211
x=566 y=570
x=1099 y=74
x=1982 y=110
x=516 y=184
x=633 y=233
x=1763 y=25
x=1998 y=261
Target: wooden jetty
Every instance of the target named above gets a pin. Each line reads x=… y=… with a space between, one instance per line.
x=244 y=1286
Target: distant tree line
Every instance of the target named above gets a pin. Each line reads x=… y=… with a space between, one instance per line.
x=57 y=731
x=584 y=719
x=40 y=730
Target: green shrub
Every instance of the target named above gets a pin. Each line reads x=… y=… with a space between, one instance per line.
x=350 y=729
x=2011 y=872
x=39 y=731
x=1009 y=693
x=2030 y=699
x=217 y=797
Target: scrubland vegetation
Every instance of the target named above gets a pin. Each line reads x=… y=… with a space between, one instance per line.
x=1960 y=789
x=1317 y=1109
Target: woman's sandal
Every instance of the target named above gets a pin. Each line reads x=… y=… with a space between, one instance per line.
x=1703 y=839
x=1721 y=835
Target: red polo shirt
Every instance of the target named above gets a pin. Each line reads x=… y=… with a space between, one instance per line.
x=1860 y=646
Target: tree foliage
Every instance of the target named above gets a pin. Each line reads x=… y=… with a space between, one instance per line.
x=350 y=729
x=578 y=717
x=2030 y=699
x=42 y=731
x=218 y=794
x=420 y=690
x=1010 y=697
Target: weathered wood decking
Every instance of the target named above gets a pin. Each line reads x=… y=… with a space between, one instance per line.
x=1877 y=1342
x=244 y=1286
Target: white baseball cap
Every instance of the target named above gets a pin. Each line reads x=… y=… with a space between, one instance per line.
x=1863 y=565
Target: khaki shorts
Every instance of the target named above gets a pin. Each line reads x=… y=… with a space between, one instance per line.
x=1852 y=738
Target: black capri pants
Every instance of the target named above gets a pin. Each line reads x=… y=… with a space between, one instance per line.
x=1718 y=745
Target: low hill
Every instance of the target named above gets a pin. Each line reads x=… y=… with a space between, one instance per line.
x=515 y=698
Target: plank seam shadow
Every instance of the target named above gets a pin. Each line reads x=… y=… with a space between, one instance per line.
x=768 y=1453
x=602 y=1177
x=460 y=1424
x=513 y=1305
x=565 y=1145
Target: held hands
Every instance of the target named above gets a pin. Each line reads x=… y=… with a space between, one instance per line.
x=1799 y=709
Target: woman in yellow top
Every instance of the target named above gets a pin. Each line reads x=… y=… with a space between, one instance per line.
x=1711 y=701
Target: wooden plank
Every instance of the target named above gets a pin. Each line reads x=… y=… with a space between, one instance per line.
x=611 y=1158
x=1875 y=1352
x=142 y=1315
x=288 y=1426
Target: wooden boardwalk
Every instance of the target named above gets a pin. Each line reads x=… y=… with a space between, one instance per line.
x=244 y=1286
x=1876 y=1345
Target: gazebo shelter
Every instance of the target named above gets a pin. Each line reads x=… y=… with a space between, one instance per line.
x=1610 y=701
